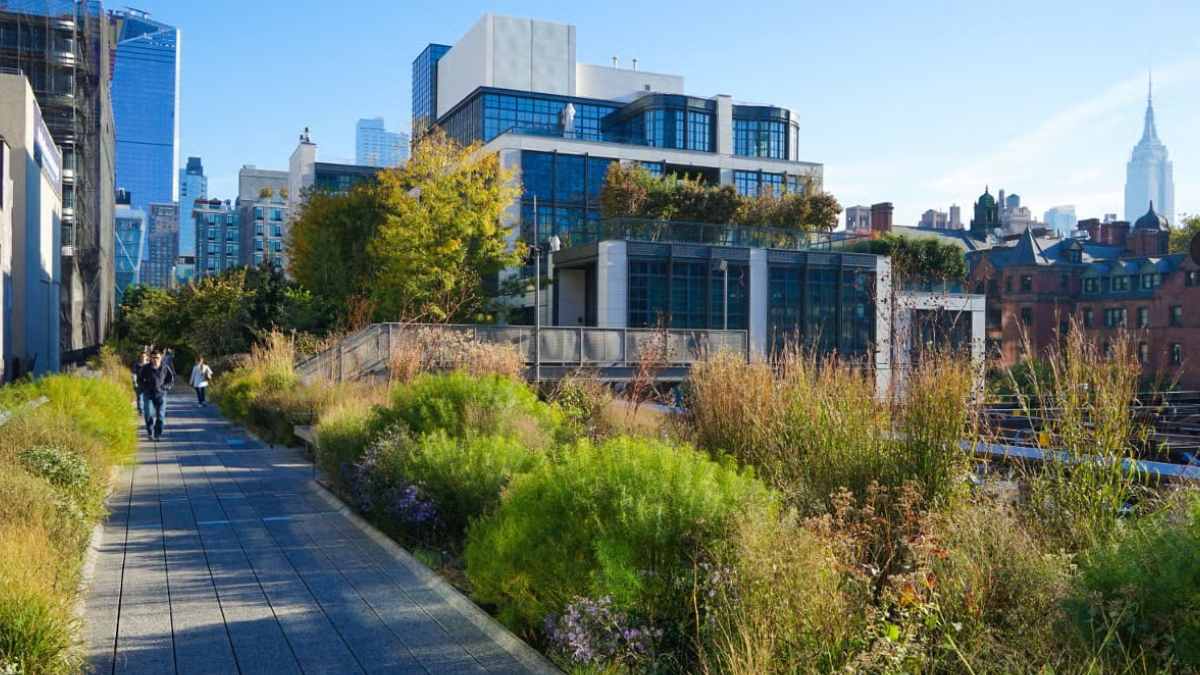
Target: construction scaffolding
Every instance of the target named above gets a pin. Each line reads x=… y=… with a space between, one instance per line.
x=62 y=47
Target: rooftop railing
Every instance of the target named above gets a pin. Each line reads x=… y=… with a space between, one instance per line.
x=667 y=231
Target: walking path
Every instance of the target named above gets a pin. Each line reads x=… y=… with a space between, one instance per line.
x=223 y=556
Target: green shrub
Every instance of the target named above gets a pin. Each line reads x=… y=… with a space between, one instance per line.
x=620 y=520
x=1139 y=594
x=463 y=405
x=88 y=407
x=461 y=477
x=342 y=438
x=235 y=392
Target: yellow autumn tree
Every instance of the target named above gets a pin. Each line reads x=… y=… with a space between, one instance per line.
x=416 y=243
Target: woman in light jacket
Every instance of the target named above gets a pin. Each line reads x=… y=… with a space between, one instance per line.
x=201 y=375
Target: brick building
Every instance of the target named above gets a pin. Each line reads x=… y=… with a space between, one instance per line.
x=1111 y=276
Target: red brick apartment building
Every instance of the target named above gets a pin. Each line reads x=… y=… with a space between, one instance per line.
x=1116 y=277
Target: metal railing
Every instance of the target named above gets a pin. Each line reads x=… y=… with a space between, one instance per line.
x=370 y=350
x=747 y=236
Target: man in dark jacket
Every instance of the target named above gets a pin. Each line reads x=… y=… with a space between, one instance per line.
x=155 y=379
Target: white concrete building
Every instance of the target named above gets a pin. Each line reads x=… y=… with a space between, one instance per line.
x=32 y=190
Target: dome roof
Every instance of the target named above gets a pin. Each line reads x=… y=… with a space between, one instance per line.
x=986 y=199
x=1151 y=221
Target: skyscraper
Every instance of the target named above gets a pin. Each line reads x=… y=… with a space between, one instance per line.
x=375 y=146
x=62 y=46
x=162 y=240
x=1062 y=219
x=193 y=185
x=145 y=99
x=1148 y=175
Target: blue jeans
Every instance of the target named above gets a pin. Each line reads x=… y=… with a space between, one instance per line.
x=155 y=409
x=141 y=401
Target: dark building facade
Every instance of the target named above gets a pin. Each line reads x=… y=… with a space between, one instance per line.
x=62 y=47
x=1113 y=277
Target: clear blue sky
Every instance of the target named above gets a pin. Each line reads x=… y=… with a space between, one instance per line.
x=920 y=103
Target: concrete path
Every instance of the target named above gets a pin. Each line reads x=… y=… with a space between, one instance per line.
x=223 y=556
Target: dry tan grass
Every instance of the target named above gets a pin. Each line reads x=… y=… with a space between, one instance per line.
x=434 y=350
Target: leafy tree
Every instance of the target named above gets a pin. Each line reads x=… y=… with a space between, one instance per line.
x=328 y=245
x=927 y=257
x=630 y=191
x=443 y=231
x=416 y=243
x=1181 y=237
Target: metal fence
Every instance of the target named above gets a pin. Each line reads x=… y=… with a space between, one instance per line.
x=369 y=351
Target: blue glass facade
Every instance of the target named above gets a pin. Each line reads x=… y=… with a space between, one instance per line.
x=764 y=131
x=665 y=121
x=820 y=303
x=130 y=228
x=374 y=145
x=669 y=290
x=424 y=88
x=566 y=188
x=145 y=100
x=193 y=185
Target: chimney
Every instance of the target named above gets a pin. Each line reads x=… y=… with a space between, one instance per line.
x=635 y=64
x=614 y=62
x=881 y=218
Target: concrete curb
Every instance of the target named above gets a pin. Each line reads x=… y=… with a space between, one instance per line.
x=527 y=656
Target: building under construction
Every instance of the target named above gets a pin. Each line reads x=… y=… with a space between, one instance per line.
x=62 y=48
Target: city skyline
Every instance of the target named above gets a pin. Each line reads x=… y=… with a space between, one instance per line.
x=911 y=105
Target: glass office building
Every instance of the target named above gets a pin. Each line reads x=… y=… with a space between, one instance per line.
x=130 y=230
x=374 y=145
x=145 y=97
x=193 y=185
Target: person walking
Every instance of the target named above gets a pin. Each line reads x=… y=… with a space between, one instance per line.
x=142 y=360
x=155 y=379
x=201 y=375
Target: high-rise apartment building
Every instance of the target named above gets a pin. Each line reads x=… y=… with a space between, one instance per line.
x=218 y=234
x=193 y=185
x=424 y=88
x=130 y=224
x=262 y=210
x=162 y=240
x=62 y=47
x=1148 y=175
x=374 y=145
x=145 y=100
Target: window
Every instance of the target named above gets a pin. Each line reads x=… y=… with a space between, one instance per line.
x=993 y=318
x=1149 y=281
x=1120 y=283
x=1026 y=283
x=231 y=249
x=1027 y=316
x=1143 y=317
x=1091 y=285
x=1191 y=279
x=258 y=244
x=1176 y=315
x=1143 y=353
x=1008 y=284
x=258 y=213
x=276 y=230
x=258 y=259
x=276 y=215
x=1063 y=281
x=277 y=245
x=1087 y=317
x=258 y=229
x=1176 y=353
x=212 y=234
x=1114 y=317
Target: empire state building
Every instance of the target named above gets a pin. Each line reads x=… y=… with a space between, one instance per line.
x=1148 y=174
